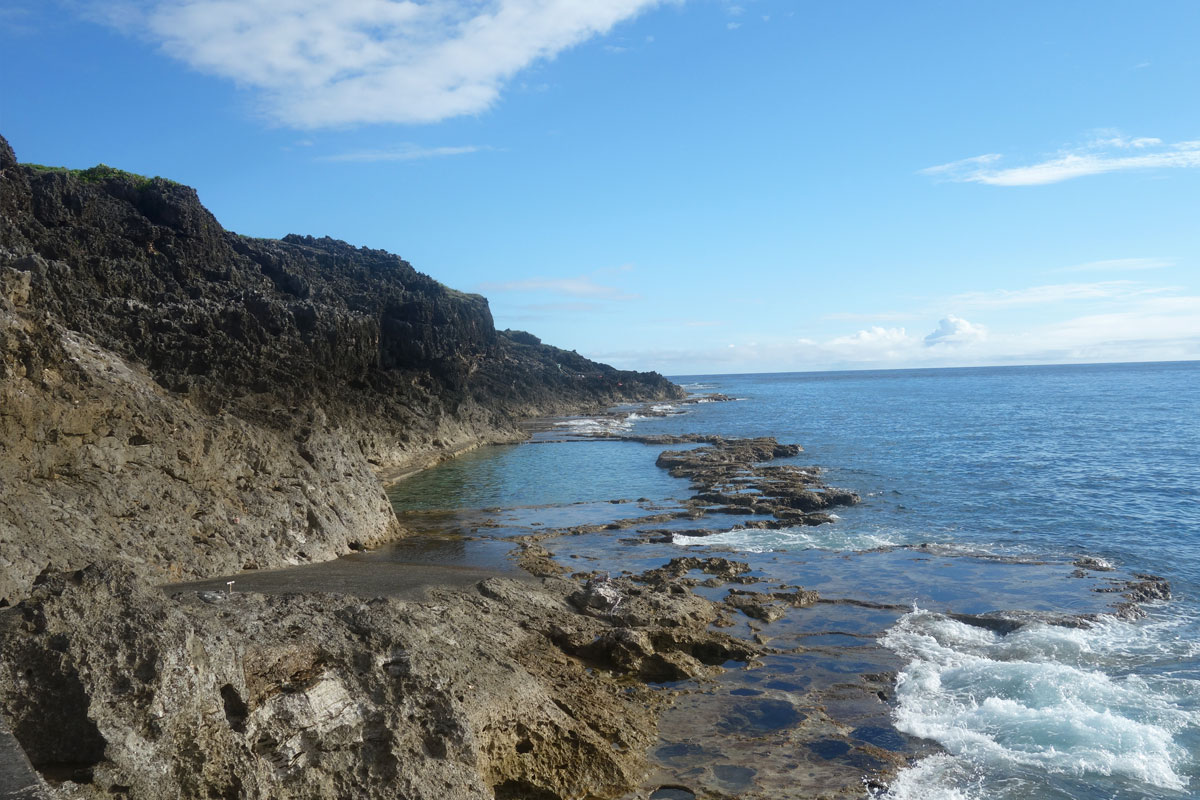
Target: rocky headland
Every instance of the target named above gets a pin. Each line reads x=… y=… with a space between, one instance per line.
x=181 y=402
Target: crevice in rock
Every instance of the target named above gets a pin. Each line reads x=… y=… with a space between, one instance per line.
x=235 y=708
x=56 y=733
x=522 y=790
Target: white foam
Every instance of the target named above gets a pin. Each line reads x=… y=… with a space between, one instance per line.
x=662 y=408
x=588 y=425
x=753 y=540
x=940 y=777
x=1039 y=698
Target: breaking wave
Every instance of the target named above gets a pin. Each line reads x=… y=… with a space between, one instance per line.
x=1043 y=699
x=821 y=537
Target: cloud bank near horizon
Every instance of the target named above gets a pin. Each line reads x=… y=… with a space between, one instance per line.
x=1146 y=326
x=329 y=63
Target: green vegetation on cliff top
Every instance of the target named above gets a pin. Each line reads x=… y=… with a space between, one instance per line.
x=99 y=173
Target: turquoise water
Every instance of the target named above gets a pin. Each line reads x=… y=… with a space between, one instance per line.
x=995 y=467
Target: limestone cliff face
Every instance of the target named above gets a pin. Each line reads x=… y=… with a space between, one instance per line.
x=194 y=401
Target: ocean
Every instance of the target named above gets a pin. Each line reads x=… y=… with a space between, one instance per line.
x=982 y=488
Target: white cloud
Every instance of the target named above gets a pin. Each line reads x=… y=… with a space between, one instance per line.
x=873 y=345
x=872 y=337
x=1108 y=153
x=962 y=166
x=404 y=152
x=955 y=330
x=321 y=63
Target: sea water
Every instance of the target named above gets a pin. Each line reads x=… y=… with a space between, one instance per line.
x=1007 y=475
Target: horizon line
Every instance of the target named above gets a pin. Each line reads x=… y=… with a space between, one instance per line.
x=930 y=369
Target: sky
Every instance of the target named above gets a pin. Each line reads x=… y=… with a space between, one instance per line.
x=694 y=187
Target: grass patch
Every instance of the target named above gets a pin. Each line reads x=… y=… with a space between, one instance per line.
x=101 y=173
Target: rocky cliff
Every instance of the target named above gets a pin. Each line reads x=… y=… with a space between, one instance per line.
x=180 y=401
x=195 y=402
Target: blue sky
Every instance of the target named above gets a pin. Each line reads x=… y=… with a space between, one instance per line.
x=691 y=187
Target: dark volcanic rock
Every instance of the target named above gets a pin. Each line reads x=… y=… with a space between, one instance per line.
x=7 y=157
x=729 y=477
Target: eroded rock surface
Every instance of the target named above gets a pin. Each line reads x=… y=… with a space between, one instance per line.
x=505 y=690
x=729 y=476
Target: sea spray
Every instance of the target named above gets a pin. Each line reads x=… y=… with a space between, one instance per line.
x=1040 y=698
x=820 y=537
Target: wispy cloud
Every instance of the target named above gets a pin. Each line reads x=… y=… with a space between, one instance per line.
x=319 y=63
x=582 y=286
x=404 y=152
x=1107 y=153
x=1054 y=293
x=1119 y=265
x=16 y=20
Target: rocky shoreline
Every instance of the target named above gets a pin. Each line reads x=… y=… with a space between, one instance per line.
x=195 y=430
x=180 y=402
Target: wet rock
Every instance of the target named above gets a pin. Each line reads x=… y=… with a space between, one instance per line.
x=754 y=604
x=1005 y=622
x=769 y=607
x=728 y=476
x=722 y=568
x=712 y=397
x=600 y=593
x=801 y=598
x=538 y=561
x=1146 y=588
x=1093 y=564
